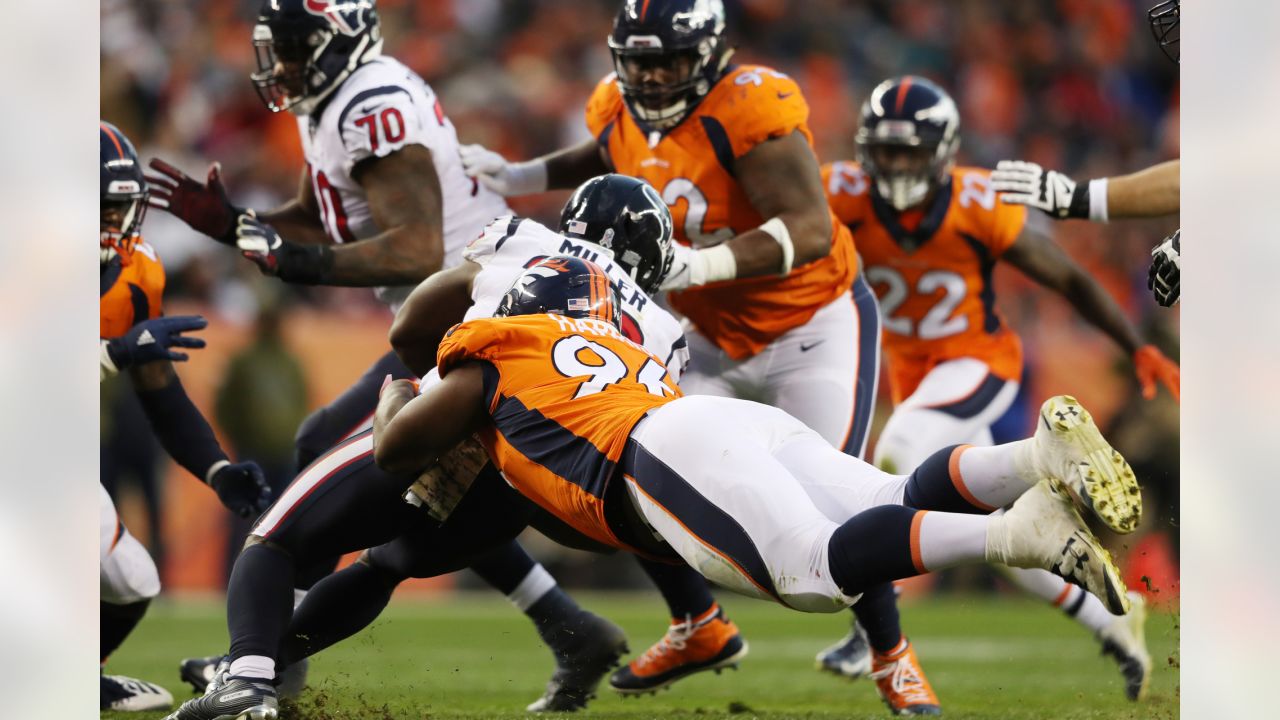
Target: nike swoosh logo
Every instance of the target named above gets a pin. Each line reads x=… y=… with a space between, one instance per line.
x=784 y=96
x=807 y=347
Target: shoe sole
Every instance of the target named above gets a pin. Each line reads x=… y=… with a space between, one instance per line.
x=716 y=665
x=1137 y=621
x=1108 y=487
x=1114 y=594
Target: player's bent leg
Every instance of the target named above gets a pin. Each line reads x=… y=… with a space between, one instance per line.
x=699 y=637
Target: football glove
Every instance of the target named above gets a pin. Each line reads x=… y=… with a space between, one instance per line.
x=206 y=208
x=155 y=339
x=505 y=178
x=1166 y=265
x=1026 y=183
x=242 y=488
x=1152 y=366
x=291 y=262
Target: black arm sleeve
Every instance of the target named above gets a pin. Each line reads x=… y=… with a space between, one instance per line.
x=182 y=430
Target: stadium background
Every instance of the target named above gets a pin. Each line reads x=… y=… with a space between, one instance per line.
x=1073 y=84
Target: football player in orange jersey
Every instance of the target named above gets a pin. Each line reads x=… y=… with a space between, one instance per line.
x=585 y=423
x=766 y=278
x=930 y=235
x=134 y=336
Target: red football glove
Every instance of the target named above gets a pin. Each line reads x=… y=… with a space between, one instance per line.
x=206 y=208
x=1152 y=366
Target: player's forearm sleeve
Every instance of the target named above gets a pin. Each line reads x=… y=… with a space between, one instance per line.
x=181 y=429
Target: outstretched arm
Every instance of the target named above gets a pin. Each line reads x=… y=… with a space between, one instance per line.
x=1040 y=258
x=562 y=169
x=437 y=304
x=1152 y=192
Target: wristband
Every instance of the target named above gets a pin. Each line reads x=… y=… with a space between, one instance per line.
x=306 y=264
x=713 y=264
x=1098 y=200
x=778 y=230
x=526 y=178
x=213 y=470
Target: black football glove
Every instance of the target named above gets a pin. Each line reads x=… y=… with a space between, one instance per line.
x=242 y=488
x=291 y=262
x=1166 y=266
x=152 y=340
x=206 y=208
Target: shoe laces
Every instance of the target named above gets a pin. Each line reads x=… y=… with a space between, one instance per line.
x=676 y=640
x=904 y=680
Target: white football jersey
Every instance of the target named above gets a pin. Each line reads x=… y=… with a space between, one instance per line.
x=382 y=107
x=510 y=244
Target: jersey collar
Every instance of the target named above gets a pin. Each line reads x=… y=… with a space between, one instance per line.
x=910 y=241
x=108 y=274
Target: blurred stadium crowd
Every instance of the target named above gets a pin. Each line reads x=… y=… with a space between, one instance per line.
x=1075 y=85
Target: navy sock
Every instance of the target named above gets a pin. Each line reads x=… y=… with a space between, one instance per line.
x=115 y=622
x=877 y=611
x=259 y=600
x=871 y=548
x=337 y=607
x=931 y=487
x=554 y=608
x=505 y=567
x=685 y=591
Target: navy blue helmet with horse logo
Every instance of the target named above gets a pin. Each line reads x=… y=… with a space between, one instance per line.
x=123 y=192
x=306 y=48
x=908 y=135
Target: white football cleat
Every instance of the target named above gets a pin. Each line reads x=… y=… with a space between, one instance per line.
x=1069 y=447
x=1043 y=530
x=1125 y=639
x=128 y=694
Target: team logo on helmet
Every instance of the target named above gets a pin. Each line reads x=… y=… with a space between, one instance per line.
x=345 y=15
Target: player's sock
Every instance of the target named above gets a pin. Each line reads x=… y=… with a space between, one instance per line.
x=966 y=479
x=890 y=542
x=527 y=585
x=253 y=666
x=1072 y=600
x=116 y=622
x=336 y=608
x=685 y=591
x=259 y=601
x=877 y=611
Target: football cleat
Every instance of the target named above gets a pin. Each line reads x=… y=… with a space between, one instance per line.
x=200 y=673
x=902 y=684
x=1070 y=447
x=708 y=642
x=851 y=657
x=127 y=694
x=1125 y=640
x=232 y=698
x=1043 y=530
x=585 y=648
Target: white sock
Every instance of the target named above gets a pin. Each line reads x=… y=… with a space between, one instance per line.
x=254 y=666
x=1092 y=613
x=992 y=474
x=298 y=595
x=531 y=589
x=949 y=539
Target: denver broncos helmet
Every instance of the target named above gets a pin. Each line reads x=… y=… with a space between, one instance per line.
x=564 y=285
x=123 y=192
x=908 y=135
x=1164 y=18
x=668 y=54
x=306 y=48
x=626 y=217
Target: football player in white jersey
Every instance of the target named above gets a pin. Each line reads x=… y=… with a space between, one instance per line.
x=382 y=202
x=343 y=502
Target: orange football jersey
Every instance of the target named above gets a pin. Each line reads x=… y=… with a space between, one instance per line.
x=691 y=166
x=936 y=298
x=130 y=292
x=564 y=395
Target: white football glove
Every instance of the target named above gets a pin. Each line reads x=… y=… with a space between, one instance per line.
x=1164 y=276
x=690 y=267
x=1052 y=192
x=505 y=178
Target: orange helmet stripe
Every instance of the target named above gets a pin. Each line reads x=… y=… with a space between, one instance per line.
x=114 y=140
x=902 y=93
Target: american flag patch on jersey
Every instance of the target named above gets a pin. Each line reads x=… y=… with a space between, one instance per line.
x=579 y=303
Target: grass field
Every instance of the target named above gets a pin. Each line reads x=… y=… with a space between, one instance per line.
x=472 y=656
